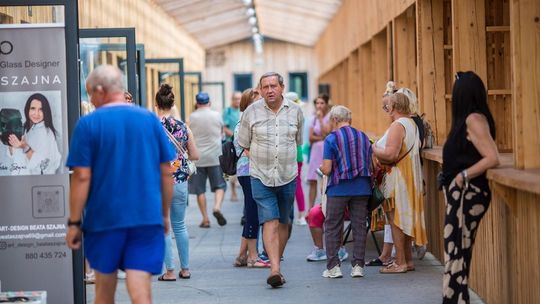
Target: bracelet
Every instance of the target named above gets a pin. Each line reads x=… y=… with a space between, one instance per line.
x=465 y=178
x=26 y=149
x=74 y=223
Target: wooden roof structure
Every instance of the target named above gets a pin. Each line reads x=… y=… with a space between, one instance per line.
x=219 y=22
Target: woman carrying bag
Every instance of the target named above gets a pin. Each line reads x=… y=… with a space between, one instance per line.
x=182 y=138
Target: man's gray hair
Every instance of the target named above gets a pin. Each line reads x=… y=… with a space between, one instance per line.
x=340 y=114
x=272 y=74
x=108 y=77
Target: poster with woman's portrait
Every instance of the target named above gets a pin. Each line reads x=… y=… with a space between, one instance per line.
x=30 y=133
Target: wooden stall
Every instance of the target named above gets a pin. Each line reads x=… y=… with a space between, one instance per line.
x=421 y=45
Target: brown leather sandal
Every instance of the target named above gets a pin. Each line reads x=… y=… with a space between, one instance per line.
x=275 y=280
x=393 y=268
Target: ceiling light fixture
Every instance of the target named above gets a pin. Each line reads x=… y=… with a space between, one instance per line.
x=250 y=11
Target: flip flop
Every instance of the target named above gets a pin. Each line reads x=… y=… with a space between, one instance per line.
x=204 y=225
x=220 y=218
x=185 y=277
x=162 y=278
x=276 y=280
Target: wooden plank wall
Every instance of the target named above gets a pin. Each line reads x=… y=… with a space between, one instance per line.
x=525 y=38
x=404 y=50
x=354 y=24
x=431 y=71
x=435 y=210
x=426 y=49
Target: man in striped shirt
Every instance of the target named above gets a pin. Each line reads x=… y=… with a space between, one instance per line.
x=271 y=130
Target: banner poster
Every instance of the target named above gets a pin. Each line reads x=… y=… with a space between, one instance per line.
x=34 y=182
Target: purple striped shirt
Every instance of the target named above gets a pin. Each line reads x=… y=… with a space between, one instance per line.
x=353 y=154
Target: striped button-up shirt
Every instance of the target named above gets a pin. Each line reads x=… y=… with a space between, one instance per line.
x=272 y=139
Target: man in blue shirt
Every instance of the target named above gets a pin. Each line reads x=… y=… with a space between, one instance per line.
x=120 y=156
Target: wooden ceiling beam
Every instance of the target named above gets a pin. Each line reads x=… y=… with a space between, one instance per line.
x=202 y=10
x=282 y=8
x=212 y=27
x=217 y=20
x=225 y=40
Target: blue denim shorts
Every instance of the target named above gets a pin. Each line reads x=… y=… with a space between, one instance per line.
x=273 y=202
x=138 y=248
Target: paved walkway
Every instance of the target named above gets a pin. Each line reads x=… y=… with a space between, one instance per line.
x=214 y=280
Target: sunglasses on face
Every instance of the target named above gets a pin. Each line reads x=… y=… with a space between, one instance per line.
x=386 y=108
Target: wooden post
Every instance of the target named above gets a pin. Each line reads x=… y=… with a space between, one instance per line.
x=353 y=101
x=430 y=54
x=379 y=74
x=367 y=89
x=404 y=49
x=525 y=36
x=469 y=37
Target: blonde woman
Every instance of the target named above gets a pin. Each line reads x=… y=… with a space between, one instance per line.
x=398 y=152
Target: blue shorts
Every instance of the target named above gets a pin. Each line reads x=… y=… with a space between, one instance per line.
x=273 y=202
x=138 y=248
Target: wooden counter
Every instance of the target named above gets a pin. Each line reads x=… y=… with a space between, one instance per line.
x=524 y=180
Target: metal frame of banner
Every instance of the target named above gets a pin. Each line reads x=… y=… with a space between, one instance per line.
x=71 y=23
x=140 y=62
x=180 y=62
x=129 y=34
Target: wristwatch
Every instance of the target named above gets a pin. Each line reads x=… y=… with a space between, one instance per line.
x=74 y=223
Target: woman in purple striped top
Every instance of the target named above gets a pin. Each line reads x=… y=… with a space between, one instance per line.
x=346 y=160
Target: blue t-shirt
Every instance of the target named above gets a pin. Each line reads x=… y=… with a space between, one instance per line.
x=359 y=186
x=124 y=146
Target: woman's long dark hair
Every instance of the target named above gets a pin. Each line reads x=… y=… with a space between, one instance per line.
x=469 y=96
x=45 y=108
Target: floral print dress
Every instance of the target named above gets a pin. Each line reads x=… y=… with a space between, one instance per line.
x=180 y=132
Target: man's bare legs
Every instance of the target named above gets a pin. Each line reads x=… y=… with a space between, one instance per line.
x=201 y=201
x=105 y=287
x=139 y=286
x=219 y=195
x=283 y=230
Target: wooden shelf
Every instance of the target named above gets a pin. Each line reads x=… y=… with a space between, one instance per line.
x=433 y=154
x=499 y=92
x=503 y=28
